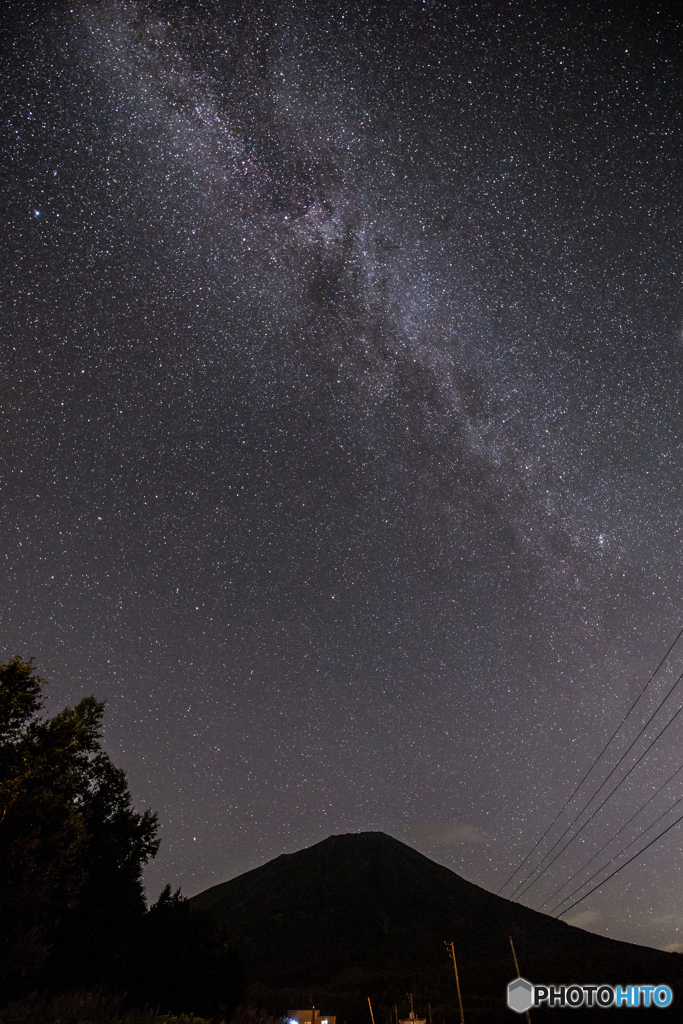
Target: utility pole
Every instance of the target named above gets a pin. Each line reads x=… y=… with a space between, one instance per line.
x=451 y=953
x=514 y=957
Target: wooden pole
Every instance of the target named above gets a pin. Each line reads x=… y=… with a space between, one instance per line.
x=429 y=1008
x=449 y=946
x=514 y=957
x=372 y=1016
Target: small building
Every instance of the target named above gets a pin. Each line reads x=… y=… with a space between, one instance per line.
x=412 y=1019
x=311 y=1016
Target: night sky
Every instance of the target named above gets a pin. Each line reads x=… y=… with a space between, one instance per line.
x=341 y=430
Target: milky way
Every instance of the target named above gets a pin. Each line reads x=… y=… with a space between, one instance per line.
x=341 y=419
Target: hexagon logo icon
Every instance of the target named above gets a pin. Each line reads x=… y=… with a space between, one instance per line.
x=520 y=995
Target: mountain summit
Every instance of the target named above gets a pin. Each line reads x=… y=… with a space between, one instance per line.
x=364 y=914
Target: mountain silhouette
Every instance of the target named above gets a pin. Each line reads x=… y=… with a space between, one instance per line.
x=365 y=915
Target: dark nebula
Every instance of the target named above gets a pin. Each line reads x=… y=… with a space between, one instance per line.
x=341 y=419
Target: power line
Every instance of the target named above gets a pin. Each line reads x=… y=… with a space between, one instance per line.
x=612 y=791
x=605 y=845
x=566 y=804
x=628 y=847
x=621 y=868
x=592 y=797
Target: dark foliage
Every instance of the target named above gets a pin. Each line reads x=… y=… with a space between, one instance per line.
x=87 y=1007
x=94 y=940
x=184 y=961
x=72 y=851
x=71 y=848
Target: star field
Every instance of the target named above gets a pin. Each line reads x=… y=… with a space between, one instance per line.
x=341 y=418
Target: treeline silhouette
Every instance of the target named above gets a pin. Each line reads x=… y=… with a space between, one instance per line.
x=72 y=850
